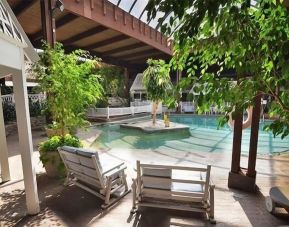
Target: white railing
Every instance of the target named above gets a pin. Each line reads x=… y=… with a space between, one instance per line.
x=8 y=98
x=33 y=97
x=140 y=103
x=37 y=97
x=111 y=111
x=189 y=107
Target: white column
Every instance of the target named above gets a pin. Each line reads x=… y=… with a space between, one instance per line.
x=25 y=140
x=4 y=163
x=107 y=110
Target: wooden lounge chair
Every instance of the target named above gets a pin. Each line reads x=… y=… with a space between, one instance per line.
x=99 y=174
x=174 y=187
x=279 y=197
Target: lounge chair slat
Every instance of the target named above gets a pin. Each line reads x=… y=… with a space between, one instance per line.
x=162 y=180
x=197 y=169
x=169 y=192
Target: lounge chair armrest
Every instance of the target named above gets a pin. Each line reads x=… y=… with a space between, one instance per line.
x=115 y=167
x=114 y=171
x=212 y=185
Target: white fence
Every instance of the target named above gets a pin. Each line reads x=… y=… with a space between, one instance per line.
x=33 y=97
x=112 y=112
x=190 y=107
x=140 y=103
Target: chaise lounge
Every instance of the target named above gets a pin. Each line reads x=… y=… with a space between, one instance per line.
x=174 y=187
x=279 y=197
x=99 y=174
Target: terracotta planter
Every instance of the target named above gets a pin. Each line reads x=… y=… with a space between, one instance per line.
x=52 y=163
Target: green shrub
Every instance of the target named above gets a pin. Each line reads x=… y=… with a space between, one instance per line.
x=50 y=146
x=54 y=142
x=9 y=112
x=35 y=108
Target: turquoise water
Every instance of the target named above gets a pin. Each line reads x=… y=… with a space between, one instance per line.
x=204 y=136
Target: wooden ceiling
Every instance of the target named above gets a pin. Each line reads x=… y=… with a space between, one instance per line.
x=113 y=45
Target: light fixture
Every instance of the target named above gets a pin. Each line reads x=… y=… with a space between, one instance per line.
x=58 y=5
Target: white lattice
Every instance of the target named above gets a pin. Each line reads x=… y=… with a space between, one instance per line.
x=33 y=97
x=7 y=26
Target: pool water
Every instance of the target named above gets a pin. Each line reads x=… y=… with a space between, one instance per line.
x=204 y=136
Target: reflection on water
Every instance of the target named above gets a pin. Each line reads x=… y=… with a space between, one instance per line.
x=204 y=136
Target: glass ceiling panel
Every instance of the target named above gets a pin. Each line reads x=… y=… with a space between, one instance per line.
x=139 y=7
x=126 y=4
x=154 y=22
x=137 y=10
x=114 y=2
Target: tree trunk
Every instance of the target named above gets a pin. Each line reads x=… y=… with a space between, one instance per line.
x=155 y=108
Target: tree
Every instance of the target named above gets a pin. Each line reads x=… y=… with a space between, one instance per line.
x=112 y=82
x=214 y=38
x=69 y=83
x=157 y=82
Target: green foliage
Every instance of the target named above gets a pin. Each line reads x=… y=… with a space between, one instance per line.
x=54 y=142
x=9 y=112
x=112 y=80
x=6 y=90
x=70 y=84
x=54 y=125
x=35 y=108
x=214 y=38
x=157 y=80
x=50 y=146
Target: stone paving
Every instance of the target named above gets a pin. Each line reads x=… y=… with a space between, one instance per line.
x=72 y=206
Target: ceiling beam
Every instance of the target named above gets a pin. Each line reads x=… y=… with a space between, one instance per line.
x=22 y=6
x=136 y=54
x=85 y=34
x=59 y=23
x=108 y=60
x=125 y=48
x=123 y=22
x=106 y=42
x=143 y=59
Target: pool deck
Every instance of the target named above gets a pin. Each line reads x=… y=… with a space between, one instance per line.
x=72 y=206
x=148 y=127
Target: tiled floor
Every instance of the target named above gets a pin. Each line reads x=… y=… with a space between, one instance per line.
x=71 y=206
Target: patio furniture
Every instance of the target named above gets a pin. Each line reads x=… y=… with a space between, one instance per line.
x=279 y=197
x=174 y=187
x=99 y=174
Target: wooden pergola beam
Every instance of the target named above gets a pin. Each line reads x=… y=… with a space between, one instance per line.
x=108 y=60
x=85 y=34
x=111 y=16
x=142 y=59
x=125 y=48
x=22 y=6
x=59 y=23
x=48 y=23
x=254 y=137
x=141 y=53
x=106 y=42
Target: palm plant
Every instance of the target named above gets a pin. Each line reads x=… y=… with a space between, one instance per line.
x=157 y=82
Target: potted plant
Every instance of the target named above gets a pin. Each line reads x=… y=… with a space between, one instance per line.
x=71 y=87
x=50 y=157
x=157 y=82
